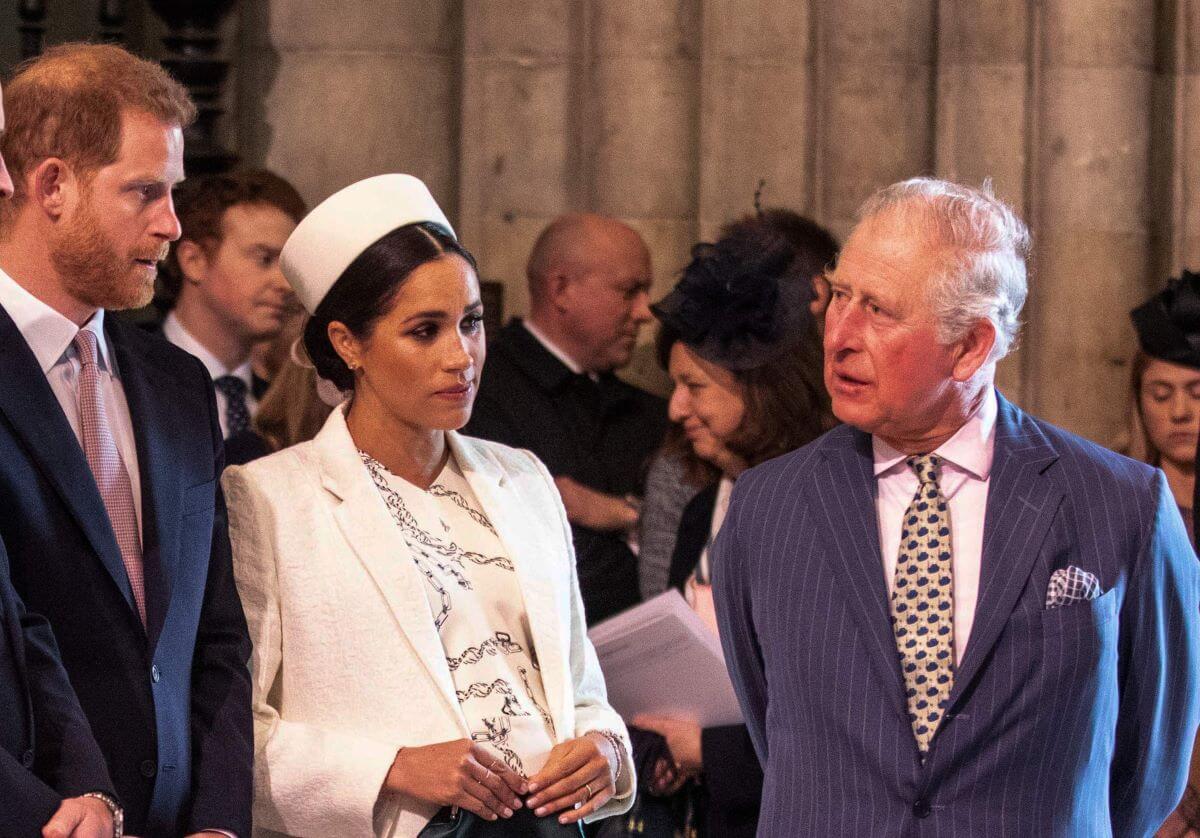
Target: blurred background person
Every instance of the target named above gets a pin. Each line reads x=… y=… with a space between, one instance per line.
x=229 y=295
x=1165 y=383
x=675 y=474
x=552 y=388
x=419 y=645
x=1165 y=415
x=740 y=341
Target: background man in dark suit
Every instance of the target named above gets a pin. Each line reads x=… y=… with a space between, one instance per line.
x=228 y=291
x=110 y=447
x=958 y=619
x=47 y=752
x=549 y=386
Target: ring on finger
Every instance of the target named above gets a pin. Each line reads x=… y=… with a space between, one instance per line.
x=587 y=790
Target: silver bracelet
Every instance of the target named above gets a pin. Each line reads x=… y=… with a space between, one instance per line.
x=114 y=808
x=619 y=747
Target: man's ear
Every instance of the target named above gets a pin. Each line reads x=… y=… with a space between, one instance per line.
x=558 y=287
x=973 y=349
x=53 y=186
x=193 y=261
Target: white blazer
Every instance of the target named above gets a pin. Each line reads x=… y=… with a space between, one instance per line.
x=348 y=666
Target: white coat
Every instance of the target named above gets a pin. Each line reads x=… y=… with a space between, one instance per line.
x=348 y=666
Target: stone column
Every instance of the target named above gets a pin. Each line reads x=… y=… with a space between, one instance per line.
x=1092 y=165
x=875 y=120
x=518 y=154
x=331 y=93
x=981 y=117
x=1189 y=138
x=641 y=118
x=756 y=108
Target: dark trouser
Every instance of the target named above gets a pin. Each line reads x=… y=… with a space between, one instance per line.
x=523 y=824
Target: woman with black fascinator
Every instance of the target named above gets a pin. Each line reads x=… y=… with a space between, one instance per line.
x=740 y=340
x=1165 y=384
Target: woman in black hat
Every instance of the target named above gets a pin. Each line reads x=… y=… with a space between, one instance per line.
x=1166 y=385
x=740 y=341
x=1166 y=399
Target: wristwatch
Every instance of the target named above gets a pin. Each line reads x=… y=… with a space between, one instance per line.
x=118 y=814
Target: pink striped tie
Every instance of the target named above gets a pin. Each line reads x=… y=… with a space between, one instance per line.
x=105 y=461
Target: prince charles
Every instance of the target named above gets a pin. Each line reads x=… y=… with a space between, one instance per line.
x=946 y=617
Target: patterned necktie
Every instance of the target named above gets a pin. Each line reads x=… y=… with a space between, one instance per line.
x=108 y=469
x=237 y=415
x=923 y=602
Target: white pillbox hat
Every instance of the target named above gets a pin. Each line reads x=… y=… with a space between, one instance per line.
x=345 y=224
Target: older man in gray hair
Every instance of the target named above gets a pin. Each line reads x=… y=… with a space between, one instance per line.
x=947 y=617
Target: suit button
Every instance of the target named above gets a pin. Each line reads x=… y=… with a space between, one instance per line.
x=27 y=759
x=148 y=768
x=922 y=809
x=155 y=675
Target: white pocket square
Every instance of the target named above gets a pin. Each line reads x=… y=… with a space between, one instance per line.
x=1069 y=585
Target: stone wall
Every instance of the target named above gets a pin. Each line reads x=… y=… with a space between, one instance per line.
x=668 y=113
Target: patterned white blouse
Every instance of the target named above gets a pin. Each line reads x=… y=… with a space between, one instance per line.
x=475 y=601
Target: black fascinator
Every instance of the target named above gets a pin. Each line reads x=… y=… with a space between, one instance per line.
x=1168 y=324
x=741 y=302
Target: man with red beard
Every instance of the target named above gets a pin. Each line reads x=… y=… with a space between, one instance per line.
x=110 y=445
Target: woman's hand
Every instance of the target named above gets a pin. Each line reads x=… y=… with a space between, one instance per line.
x=578 y=773
x=683 y=738
x=459 y=773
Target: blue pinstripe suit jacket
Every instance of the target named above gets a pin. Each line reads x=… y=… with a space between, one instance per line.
x=1076 y=721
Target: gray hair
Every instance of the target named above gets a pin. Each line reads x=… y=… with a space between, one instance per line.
x=984 y=248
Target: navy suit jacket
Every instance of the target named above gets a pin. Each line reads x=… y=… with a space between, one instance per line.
x=46 y=747
x=169 y=704
x=1073 y=721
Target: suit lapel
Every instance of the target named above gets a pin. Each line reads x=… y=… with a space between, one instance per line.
x=846 y=497
x=1022 y=500
x=372 y=534
x=30 y=407
x=148 y=393
x=521 y=536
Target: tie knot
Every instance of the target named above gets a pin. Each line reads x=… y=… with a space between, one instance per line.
x=87 y=346
x=231 y=387
x=927 y=466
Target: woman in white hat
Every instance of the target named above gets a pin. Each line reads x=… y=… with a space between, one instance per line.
x=420 y=660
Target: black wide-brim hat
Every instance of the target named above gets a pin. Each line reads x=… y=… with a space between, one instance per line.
x=739 y=304
x=1168 y=324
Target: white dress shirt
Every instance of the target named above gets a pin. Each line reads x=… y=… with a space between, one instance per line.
x=174 y=331
x=964 y=482
x=50 y=336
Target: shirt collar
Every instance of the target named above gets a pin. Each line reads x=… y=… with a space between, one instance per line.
x=49 y=333
x=554 y=350
x=175 y=332
x=970 y=449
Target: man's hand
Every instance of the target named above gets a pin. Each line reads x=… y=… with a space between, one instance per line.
x=80 y=817
x=596 y=510
x=683 y=738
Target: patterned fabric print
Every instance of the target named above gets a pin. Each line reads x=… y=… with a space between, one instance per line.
x=495 y=734
x=237 y=415
x=440 y=491
x=498 y=644
x=1069 y=585
x=475 y=601
x=408 y=524
x=108 y=469
x=923 y=602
